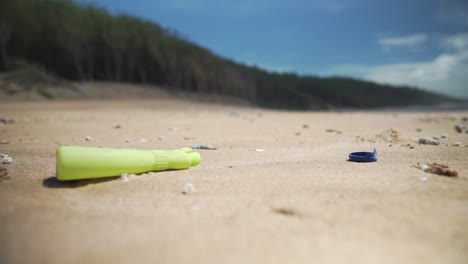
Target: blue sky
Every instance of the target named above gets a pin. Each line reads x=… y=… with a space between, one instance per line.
x=420 y=43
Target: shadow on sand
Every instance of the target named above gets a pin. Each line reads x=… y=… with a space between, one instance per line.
x=52 y=182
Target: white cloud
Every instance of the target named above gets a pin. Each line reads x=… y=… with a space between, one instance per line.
x=422 y=74
x=411 y=41
x=457 y=42
x=447 y=73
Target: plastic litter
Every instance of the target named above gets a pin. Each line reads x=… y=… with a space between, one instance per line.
x=363 y=156
x=76 y=163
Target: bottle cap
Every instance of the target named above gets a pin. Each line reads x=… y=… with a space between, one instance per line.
x=363 y=156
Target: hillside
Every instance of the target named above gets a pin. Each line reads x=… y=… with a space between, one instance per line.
x=87 y=43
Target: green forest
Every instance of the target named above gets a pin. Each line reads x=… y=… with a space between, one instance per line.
x=86 y=43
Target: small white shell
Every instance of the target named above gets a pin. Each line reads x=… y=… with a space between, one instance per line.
x=6 y=159
x=425 y=167
x=188 y=188
x=124 y=177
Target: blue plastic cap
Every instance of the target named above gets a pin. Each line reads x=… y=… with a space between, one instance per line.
x=363 y=156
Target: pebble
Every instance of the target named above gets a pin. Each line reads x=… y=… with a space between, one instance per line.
x=3 y=174
x=423 y=178
x=444 y=135
x=4 y=121
x=428 y=141
x=461 y=128
x=4 y=142
x=88 y=138
x=188 y=188
x=6 y=159
x=334 y=131
x=203 y=146
x=458 y=144
x=143 y=140
x=259 y=150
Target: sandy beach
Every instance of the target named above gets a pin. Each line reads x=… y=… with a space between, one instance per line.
x=298 y=201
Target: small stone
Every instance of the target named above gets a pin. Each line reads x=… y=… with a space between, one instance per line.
x=143 y=140
x=334 y=131
x=188 y=188
x=4 y=121
x=259 y=150
x=418 y=130
x=428 y=141
x=127 y=140
x=298 y=133
x=461 y=128
x=117 y=126
x=458 y=144
x=423 y=178
x=6 y=159
x=305 y=126
x=161 y=138
x=88 y=138
x=3 y=174
x=444 y=135
x=4 y=142
x=203 y=146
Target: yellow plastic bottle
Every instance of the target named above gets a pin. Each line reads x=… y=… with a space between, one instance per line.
x=77 y=163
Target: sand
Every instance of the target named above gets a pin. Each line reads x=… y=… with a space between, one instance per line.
x=298 y=201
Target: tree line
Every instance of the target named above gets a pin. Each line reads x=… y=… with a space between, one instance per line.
x=86 y=43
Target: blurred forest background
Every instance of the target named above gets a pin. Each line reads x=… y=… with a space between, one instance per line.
x=88 y=43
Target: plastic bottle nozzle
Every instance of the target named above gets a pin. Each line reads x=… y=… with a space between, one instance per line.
x=76 y=163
